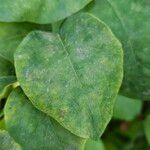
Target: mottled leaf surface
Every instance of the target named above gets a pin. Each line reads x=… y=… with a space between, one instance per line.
x=130 y=21
x=126 y=108
x=11 y=34
x=147 y=128
x=6 y=85
x=34 y=130
x=7 y=142
x=94 y=145
x=73 y=77
x=38 y=11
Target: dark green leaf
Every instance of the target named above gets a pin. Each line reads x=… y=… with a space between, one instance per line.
x=147 y=128
x=34 y=130
x=126 y=108
x=73 y=78
x=94 y=145
x=130 y=21
x=38 y=11
x=6 y=85
x=6 y=67
x=7 y=142
x=11 y=34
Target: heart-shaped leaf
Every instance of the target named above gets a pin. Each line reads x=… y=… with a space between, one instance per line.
x=34 y=130
x=38 y=11
x=73 y=77
x=11 y=34
x=130 y=21
x=7 y=142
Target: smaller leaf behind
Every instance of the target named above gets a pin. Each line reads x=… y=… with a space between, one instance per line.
x=11 y=34
x=7 y=142
x=39 y=11
x=6 y=85
x=6 y=67
x=33 y=129
x=126 y=108
x=94 y=145
x=147 y=128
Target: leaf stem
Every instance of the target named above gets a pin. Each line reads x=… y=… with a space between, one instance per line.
x=15 y=85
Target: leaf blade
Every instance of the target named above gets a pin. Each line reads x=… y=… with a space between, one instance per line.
x=54 y=69
x=11 y=34
x=127 y=21
x=126 y=108
x=47 y=11
x=7 y=142
x=30 y=132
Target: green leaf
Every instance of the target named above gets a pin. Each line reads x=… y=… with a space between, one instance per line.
x=73 y=78
x=41 y=11
x=6 y=85
x=6 y=67
x=147 y=128
x=94 y=145
x=110 y=145
x=130 y=21
x=2 y=123
x=11 y=34
x=34 y=130
x=7 y=142
x=126 y=108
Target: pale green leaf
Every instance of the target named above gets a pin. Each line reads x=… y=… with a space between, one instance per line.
x=34 y=130
x=147 y=128
x=126 y=108
x=94 y=145
x=38 y=11
x=73 y=77
x=7 y=142
x=130 y=21
x=11 y=34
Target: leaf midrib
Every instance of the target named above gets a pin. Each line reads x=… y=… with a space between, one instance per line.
x=72 y=65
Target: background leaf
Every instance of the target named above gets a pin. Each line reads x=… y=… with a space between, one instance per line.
x=7 y=142
x=11 y=34
x=147 y=128
x=126 y=108
x=76 y=79
x=130 y=20
x=6 y=85
x=6 y=67
x=33 y=129
x=125 y=136
x=94 y=145
x=40 y=11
